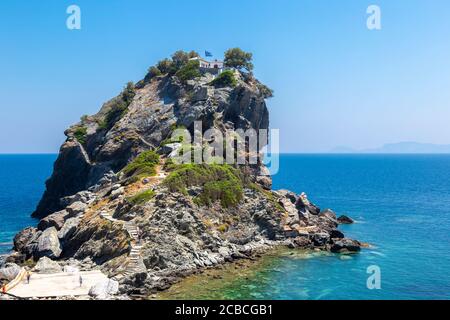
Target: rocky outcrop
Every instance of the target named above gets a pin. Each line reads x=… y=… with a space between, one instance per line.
x=147 y=233
x=54 y=220
x=345 y=220
x=153 y=112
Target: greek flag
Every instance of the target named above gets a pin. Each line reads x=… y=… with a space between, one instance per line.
x=208 y=54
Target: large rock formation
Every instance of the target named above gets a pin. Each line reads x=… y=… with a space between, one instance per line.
x=113 y=202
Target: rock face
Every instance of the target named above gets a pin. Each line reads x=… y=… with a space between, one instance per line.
x=48 y=244
x=147 y=232
x=152 y=113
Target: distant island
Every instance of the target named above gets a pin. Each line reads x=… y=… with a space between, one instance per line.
x=400 y=147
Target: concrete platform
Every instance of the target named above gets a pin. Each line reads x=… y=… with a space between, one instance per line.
x=57 y=284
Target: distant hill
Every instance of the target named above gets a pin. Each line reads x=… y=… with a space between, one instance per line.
x=400 y=147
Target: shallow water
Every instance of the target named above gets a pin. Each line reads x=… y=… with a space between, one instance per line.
x=402 y=207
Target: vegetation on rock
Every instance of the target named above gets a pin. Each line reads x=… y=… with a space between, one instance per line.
x=239 y=59
x=218 y=182
x=189 y=71
x=119 y=107
x=143 y=166
x=225 y=79
x=80 y=134
x=141 y=197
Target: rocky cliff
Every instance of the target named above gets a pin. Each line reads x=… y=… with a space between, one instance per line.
x=116 y=200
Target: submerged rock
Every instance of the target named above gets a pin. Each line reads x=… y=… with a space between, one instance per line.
x=345 y=245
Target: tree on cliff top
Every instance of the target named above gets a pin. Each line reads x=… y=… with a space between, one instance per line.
x=239 y=59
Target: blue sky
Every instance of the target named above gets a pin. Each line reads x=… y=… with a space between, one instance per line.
x=336 y=83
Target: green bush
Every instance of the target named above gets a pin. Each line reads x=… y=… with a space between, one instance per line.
x=165 y=66
x=225 y=79
x=141 y=197
x=143 y=166
x=265 y=90
x=80 y=134
x=219 y=182
x=189 y=71
x=153 y=72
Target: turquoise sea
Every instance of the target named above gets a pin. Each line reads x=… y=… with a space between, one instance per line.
x=401 y=204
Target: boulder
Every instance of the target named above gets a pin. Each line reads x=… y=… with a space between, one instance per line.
x=117 y=192
x=345 y=246
x=202 y=93
x=76 y=208
x=68 y=229
x=48 y=244
x=329 y=214
x=54 y=220
x=265 y=182
x=345 y=220
x=321 y=239
x=46 y=265
x=104 y=289
x=9 y=271
x=23 y=238
x=336 y=234
x=288 y=194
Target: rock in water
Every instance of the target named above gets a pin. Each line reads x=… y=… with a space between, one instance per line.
x=345 y=220
x=345 y=245
x=104 y=289
x=48 y=244
x=46 y=265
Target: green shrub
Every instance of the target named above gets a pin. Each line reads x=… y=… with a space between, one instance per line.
x=265 y=90
x=153 y=72
x=219 y=182
x=225 y=79
x=165 y=66
x=80 y=134
x=143 y=166
x=179 y=59
x=189 y=71
x=141 y=197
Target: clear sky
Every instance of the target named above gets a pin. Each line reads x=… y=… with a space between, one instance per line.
x=336 y=82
